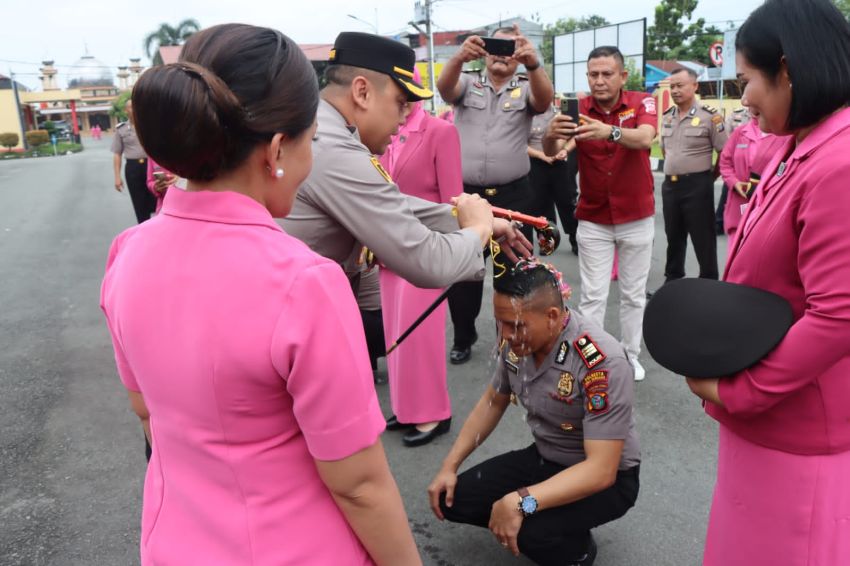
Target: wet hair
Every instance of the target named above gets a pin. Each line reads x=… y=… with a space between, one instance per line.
x=814 y=38
x=234 y=87
x=608 y=51
x=691 y=73
x=527 y=280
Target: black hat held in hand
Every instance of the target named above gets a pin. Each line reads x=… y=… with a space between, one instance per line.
x=706 y=328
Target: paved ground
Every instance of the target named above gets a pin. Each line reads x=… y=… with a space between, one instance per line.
x=71 y=458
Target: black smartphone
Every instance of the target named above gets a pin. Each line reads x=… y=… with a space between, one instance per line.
x=497 y=46
x=569 y=107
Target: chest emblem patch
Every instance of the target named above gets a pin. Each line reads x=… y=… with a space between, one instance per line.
x=516 y=93
x=695 y=121
x=565 y=384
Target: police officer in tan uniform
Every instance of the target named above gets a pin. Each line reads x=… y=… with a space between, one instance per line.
x=126 y=144
x=493 y=113
x=349 y=201
x=690 y=133
x=576 y=386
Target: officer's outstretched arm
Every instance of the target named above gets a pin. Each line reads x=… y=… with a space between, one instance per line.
x=479 y=424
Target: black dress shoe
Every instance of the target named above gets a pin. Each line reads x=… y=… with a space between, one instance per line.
x=589 y=556
x=393 y=424
x=416 y=437
x=460 y=355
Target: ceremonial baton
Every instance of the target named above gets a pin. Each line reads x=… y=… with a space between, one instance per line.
x=549 y=238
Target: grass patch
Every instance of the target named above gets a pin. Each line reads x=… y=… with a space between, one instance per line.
x=45 y=150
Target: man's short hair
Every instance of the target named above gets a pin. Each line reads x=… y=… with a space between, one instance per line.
x=529 y=279
x=343 y=75
x=691 y=73
x=608 y=51
x=503 y=31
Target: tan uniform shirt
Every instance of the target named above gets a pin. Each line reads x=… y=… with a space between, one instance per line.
x=348 y=201
x=538 y=128
x=688 y=139
x=736 y=119
x=493 y=127
x=125 y=142
x=567 y=401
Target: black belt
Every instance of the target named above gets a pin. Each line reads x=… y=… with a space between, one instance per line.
x=493 y=190
x=677 y=178
x=143 y=160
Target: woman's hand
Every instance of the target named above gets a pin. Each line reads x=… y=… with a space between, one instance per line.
x=706 y=389
x=162 y=183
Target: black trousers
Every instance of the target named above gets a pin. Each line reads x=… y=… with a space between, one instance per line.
x=554 y=187
x=721 y=206
x=373 y=327
x=144 y=203
x=554 y=536
x=689 y=210
x=465 y=297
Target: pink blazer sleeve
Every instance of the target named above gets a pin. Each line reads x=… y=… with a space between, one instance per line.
x=727 y=160
x=449 y=172
x=149 y=180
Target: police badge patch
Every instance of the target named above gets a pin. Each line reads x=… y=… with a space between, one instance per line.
x=565 y=384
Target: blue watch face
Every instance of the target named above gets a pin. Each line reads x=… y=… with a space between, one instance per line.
x=529 y=505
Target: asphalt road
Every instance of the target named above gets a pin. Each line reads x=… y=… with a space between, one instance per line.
x=71 y=452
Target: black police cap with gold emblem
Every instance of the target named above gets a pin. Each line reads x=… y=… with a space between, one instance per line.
x=706 y=328
x=379 y=54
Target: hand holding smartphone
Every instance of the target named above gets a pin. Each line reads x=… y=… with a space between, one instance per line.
x=569 y=107
x=499 y=46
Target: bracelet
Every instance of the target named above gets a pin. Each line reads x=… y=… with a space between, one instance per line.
x=534 y=68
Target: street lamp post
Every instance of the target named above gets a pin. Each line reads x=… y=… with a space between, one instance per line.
x=362 y=21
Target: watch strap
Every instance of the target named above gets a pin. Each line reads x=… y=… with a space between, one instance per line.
x=523 y=492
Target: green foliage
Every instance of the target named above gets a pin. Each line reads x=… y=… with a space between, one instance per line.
x=566 y=25
x=844 y=6
x=697 y=49
x=635 y=79
x=49 y=126
x=117 y=108
x=169 y=35
x=9 y=140
x=37 y=137
x=669 y=37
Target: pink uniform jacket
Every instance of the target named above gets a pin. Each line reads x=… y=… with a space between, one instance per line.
x=794 y=241
x=252 y=361
x=424 y=161
x=748 y=150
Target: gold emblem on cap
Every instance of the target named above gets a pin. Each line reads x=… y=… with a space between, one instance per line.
x=332 y=55
x=565 y=384
x=403 y=72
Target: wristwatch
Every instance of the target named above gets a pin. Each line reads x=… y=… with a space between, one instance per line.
x=616 y=134
x=527 y=504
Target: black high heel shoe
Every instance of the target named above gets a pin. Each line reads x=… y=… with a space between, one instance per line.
x=393 y=424
x=417 y=437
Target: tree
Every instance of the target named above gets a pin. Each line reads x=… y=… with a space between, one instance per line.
x=117 y=108
x=635 y=80
x=9 y=140
x=168 y=35
x=668 y=38
x=562 y=26
x=844 y=6
x=697 y=49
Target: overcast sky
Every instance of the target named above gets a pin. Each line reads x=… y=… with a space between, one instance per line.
x=113 y=31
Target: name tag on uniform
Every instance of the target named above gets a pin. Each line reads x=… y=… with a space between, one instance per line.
x=742 y=146
x=512 y=367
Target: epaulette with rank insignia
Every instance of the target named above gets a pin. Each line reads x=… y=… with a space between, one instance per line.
x=121 y=124
x=709 y=109
x=588 y=351
x=670 y=110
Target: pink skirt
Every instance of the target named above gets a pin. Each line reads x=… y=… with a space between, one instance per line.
x=773 y=508
x=417 y=368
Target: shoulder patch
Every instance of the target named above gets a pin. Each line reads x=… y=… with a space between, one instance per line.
x=717 y=119
x=595 y=386
x=380 y=169
x=709 y=109
x=589 y=352
x=649 y=105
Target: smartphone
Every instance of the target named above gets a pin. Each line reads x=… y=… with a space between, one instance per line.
x=755 y=178
x=498 y=46
x=159 y=175
x=569 y=107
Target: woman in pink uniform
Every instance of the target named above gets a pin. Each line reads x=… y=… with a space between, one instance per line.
x=748 y=150
x=158 y=181
x=424 y=160
x=264 y=421
x=782 y=495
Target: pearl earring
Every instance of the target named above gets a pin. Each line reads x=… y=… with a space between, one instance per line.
x=279 y=173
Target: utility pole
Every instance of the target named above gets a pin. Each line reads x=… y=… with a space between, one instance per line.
x=430 y=33
x=18 y=110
